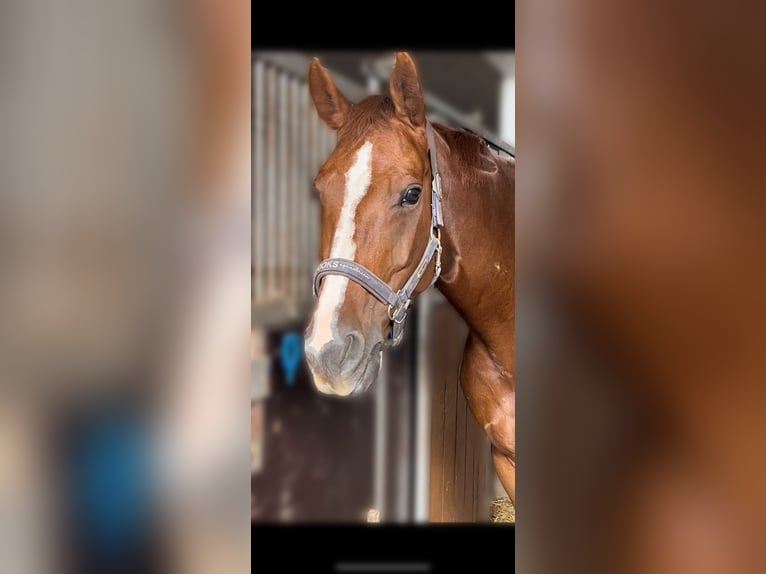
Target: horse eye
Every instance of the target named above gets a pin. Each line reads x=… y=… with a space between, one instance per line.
x=411 y=196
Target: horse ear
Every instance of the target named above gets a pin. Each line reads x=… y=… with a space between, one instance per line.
x=331 y=105
x=406 y=92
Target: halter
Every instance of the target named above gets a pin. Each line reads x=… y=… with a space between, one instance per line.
x=398 y=301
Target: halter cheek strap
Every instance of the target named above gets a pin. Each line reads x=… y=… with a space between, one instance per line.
x=398 y=301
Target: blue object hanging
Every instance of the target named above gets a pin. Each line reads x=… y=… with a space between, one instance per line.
x=290 y=355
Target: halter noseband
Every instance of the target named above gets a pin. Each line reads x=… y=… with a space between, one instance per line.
x=398 y=301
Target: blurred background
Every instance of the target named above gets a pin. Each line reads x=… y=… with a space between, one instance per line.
x=408 y=450
x=640 y=271
x=124 y=250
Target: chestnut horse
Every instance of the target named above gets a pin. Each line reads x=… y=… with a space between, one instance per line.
x=407 y=204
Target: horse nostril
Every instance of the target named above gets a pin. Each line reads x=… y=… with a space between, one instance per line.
x=353 y=346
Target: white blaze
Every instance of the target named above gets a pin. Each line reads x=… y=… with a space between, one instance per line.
x=334 y=286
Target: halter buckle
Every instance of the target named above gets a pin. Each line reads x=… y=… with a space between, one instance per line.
x=398 y=313
x=437 y=219
x=436 y=234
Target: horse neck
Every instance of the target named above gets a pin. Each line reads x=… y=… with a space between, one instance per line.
x=478 y=248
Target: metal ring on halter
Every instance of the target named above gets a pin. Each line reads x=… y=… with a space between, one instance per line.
x=393 y=312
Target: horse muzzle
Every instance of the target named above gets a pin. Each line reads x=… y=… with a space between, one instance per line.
x=344 y=367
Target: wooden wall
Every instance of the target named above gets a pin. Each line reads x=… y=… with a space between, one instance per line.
x=459 y=448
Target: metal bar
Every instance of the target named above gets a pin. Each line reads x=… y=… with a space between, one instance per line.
x=271 y=185
x=297 y=198
x=311 y=247
x=288 y=237
x=304 y=181
x=283 y=230
x=316 y=162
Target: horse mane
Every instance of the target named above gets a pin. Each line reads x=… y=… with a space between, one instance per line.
x=466 y=146
x=470 y=158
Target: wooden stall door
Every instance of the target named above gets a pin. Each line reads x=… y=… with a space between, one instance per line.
x=459 y=448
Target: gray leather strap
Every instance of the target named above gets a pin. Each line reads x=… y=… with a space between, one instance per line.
x=357 y=273
x=437 y=219
x=398 y=300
